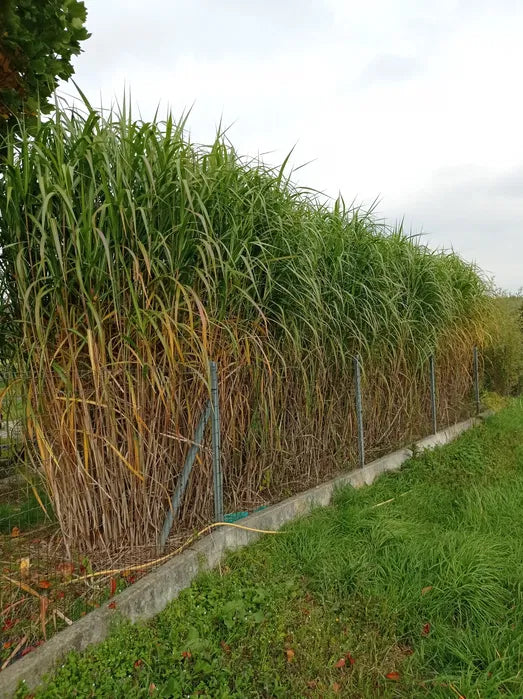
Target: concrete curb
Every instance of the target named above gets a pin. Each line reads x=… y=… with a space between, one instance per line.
x=151 y=594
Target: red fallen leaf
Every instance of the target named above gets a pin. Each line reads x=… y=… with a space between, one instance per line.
x=112 y=588
x=65 y=569
x=305 y=611
x=186 y=654
x=44 y=584
x=112 y=605
x=83 y=613
x=225 y=647
x=290 y=655
x=138 y=663
x=28 y=649
x=406 y=650
x=9 y=623
x=340 y=663
x=7 y=645
x=393 y=676
x=336 y=687
x=426 y=629
x=152 y=688
x=350 y=658
x=426 y=589
x=60 y=594
x=131 y=579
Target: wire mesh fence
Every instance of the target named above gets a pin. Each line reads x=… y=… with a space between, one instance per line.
x=46 y=584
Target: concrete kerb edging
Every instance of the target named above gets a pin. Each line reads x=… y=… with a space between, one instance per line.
x=152 y=593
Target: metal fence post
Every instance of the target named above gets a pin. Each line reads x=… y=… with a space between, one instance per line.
x=433 y=394
x=216 y=451
x=359 y=411
x=184 y=476
x=476 y=380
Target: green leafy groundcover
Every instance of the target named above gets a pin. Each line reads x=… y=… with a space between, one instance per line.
x=408 y=588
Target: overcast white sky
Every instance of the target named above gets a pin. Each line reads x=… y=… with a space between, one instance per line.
x=416 y=102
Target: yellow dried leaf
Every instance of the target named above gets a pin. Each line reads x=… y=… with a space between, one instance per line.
x=24 y=566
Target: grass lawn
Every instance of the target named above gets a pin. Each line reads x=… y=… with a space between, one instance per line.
x=412 y=587
x=23 y=511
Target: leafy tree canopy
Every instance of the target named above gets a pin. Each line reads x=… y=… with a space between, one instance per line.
x=38 y=39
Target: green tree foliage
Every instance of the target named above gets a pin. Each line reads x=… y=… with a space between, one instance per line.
x=38 y=39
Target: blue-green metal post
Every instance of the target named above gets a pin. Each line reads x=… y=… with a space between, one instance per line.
x=359 y=411
x=476 y=380
x=216 y=450
x=433 y=394
x=184 y=476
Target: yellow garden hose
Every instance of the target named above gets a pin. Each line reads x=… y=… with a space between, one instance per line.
x=189 y=541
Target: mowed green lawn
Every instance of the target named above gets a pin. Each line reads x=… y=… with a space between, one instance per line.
x=412 y=587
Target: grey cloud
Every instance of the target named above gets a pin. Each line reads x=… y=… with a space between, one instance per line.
x=160 y=30
x=469 y=183
x=481 y=211
x=390 y=68
x=472 y=7
x=509 y=185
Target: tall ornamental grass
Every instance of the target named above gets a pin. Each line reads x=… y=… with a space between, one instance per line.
x=134 y=256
